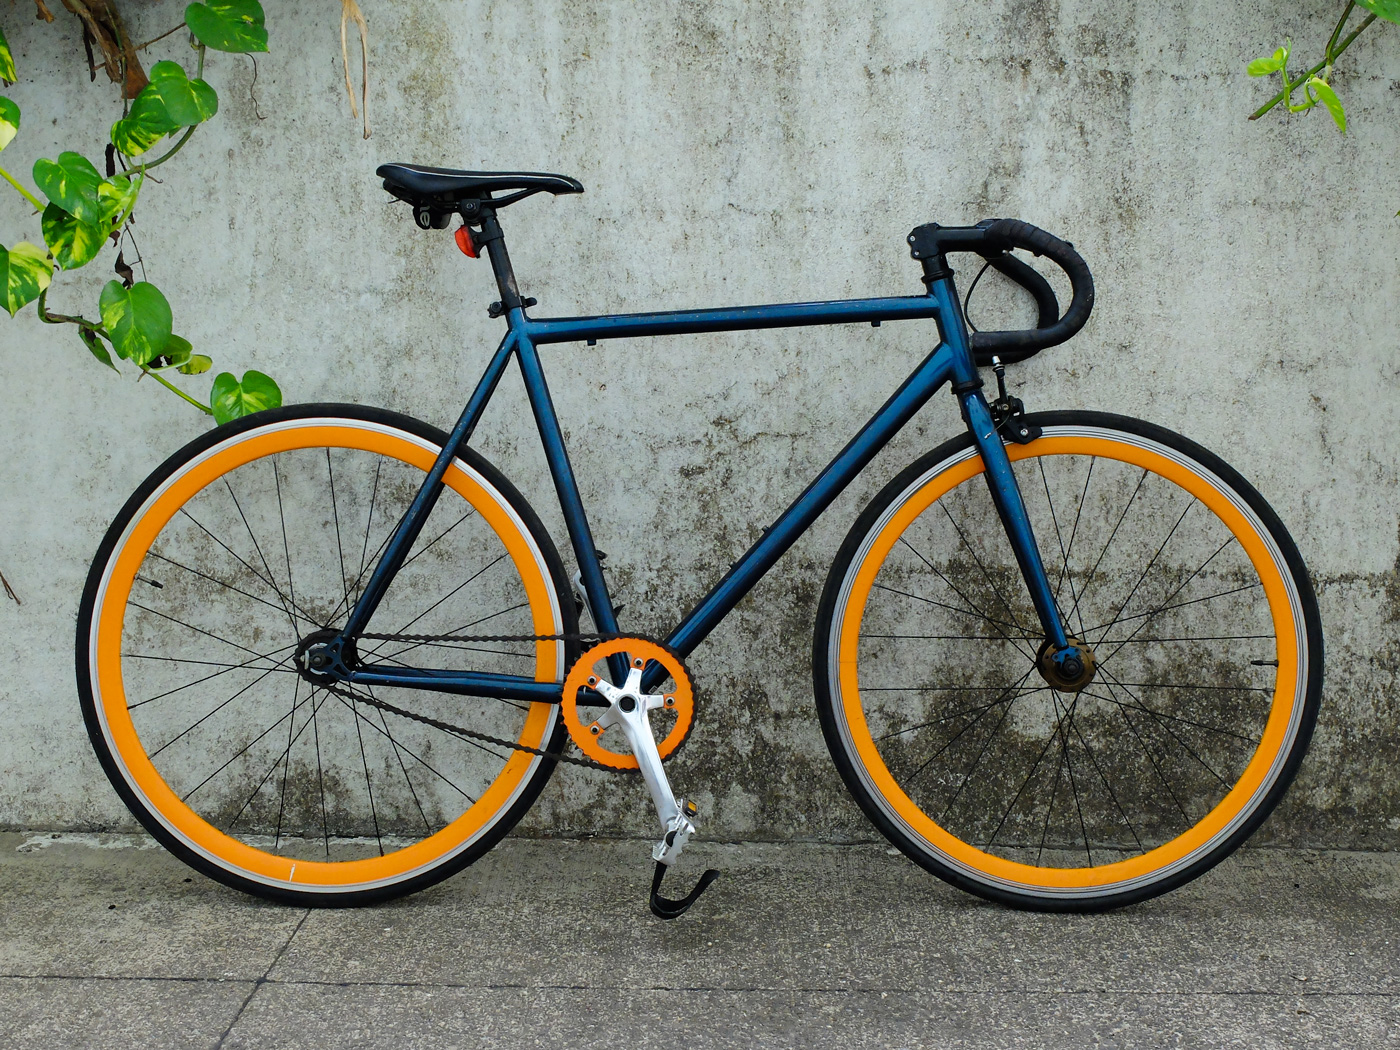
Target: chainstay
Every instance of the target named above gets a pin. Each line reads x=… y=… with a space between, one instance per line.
x=585 y=636
x=472 y=734
x=463 y=731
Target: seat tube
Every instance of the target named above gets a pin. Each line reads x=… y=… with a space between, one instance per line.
x=1001 y=481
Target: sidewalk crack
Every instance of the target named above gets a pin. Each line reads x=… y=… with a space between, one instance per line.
x=262 y=980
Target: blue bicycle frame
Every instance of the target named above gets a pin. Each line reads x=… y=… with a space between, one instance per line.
x=951 y=362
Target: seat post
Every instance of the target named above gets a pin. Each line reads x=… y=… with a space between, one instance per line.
x=495 y=244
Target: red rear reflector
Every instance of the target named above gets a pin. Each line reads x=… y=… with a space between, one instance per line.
x=465 y=242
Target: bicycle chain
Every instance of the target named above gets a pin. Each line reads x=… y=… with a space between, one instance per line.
x=472 y=734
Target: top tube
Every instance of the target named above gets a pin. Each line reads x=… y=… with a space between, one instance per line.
x=727 y=319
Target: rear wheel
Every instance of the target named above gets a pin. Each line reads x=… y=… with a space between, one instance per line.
x=234 y=553
x=1182 y=583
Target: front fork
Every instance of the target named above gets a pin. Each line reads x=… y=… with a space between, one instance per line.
x=1065 y=657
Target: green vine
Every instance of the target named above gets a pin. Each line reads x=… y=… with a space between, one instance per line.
x=1316 y=82
x=83 y=210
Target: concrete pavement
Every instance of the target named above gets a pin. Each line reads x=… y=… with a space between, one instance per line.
x=109 y=942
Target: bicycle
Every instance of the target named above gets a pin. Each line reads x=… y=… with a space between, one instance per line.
x=1065 y=660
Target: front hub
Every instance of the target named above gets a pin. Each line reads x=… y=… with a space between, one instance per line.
x=1070 y=669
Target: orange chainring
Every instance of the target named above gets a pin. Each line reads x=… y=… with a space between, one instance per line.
x=639 y=651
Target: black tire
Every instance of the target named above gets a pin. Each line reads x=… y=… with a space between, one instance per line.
x=940 y=723
x=209 y=595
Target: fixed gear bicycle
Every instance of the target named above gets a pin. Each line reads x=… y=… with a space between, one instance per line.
x=1067 y=660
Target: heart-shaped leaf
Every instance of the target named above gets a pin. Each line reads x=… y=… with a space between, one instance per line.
x=228 y=25
x=231 y=399
x=9 y=121
x=7 y=61
x=74 y=243
x=1387 y=9
x=1321 y=91
x=195 y=365
x=94 y=343
x=137 y=320
x=186 y=101
x=25 y=271
x=1262 y=67
x=177 y=352
x=70 y=182
x=116 y=196
x=146 y=124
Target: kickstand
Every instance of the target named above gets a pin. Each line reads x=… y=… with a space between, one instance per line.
x=664 y=907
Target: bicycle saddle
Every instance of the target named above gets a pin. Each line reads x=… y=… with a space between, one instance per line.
x=419 y=184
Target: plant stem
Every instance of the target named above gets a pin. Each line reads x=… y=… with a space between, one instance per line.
x=168 y=32
x=51 y=318
x=24 y=192
x=171 y=386
x=1327 y=60
x=1337 y=30
x=174 y=149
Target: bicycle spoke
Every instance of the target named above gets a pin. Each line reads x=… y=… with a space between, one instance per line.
x=287 y=762
x=1058 y=734
x=364 y=547
x=1089 y=753
x=209 y=663
x=321 y=780
x=210 y=714
x=1059 y=538
x=966 y=600
x=1084 y=591
x=1073 y=784
x=282 y=598
x=1166 y=601
x=197 y=630
x=286 y=543
x=977 y=761
x=270 y=770
x=951 y=608
x=985 y=574
x=369 y=790
x=1123 y=713
x=1049 y=740
x=1150 y=562
x=955 y=714
x=240 y=753
x=1162 y=714
x=958 y=735
x=456 y=630
x=221 y=583
x=499 y=558
x=1169 y=731
x=1182 y=605
x=1075 y=610
x=258 y=547
x=398 y=754
x=335 y=516
x=414 y=755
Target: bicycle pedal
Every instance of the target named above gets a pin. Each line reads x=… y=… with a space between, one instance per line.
x=665 y=907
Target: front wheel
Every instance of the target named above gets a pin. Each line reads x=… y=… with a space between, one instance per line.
x=1207 y=666
x=226 y=564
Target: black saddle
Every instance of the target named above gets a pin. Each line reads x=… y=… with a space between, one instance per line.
x=420 y=185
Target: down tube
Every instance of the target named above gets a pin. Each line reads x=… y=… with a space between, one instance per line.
x=783 y=533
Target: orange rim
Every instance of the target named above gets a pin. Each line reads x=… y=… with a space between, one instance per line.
x=637 y=649
x=125 y=742
x=1276 y=731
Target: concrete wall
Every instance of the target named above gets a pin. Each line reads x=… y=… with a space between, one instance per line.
x=741 y=152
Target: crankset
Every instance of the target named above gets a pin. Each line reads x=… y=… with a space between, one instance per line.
x=628 y=709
